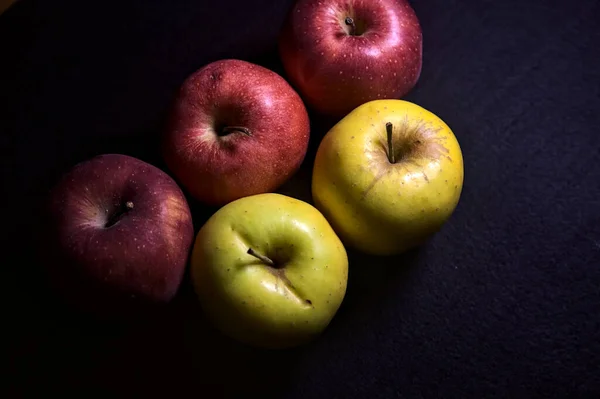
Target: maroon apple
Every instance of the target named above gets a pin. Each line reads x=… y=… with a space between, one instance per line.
x=236 y=129
x=340 y=54
x=120 y=231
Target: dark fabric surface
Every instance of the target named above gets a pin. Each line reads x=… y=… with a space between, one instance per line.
x=503 y=302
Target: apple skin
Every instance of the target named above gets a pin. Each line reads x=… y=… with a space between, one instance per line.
x=257 y=304
x=105 y=263
x=376 y=206
x=335 y=71
x=217 y=169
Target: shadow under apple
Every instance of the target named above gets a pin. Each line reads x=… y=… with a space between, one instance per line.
x=168 y=350
x=371 y=277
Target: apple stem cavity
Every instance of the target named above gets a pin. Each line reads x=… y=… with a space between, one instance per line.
x=391 y=156
x=231 y=129
x=350 y=22
x=126 y=207
x=262 y=257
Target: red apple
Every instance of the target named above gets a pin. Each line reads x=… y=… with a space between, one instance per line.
x=340 y=54
x=121 y=232
x=236 y=129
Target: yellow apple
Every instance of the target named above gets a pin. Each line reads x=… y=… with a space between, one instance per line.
x=269 y=270
x=387 y=176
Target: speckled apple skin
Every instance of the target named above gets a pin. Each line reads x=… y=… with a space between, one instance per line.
x=141 y=257
x=217 y=169
x=335 y=71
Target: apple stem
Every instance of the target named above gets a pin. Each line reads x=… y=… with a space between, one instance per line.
x=119 y=213
x=350 y=22
x=230 y=129
x=388 y=128
x=261 y=257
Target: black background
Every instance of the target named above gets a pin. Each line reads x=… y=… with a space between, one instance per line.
x=503 y=302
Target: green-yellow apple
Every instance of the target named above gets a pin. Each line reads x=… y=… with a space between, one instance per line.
x=269 y=270
x=387 y=176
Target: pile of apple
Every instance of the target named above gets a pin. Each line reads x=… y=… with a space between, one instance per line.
x=268 y=269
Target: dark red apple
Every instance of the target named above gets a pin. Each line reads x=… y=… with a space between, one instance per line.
x=121 y=233
x=340 y=54
x=236 y=129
